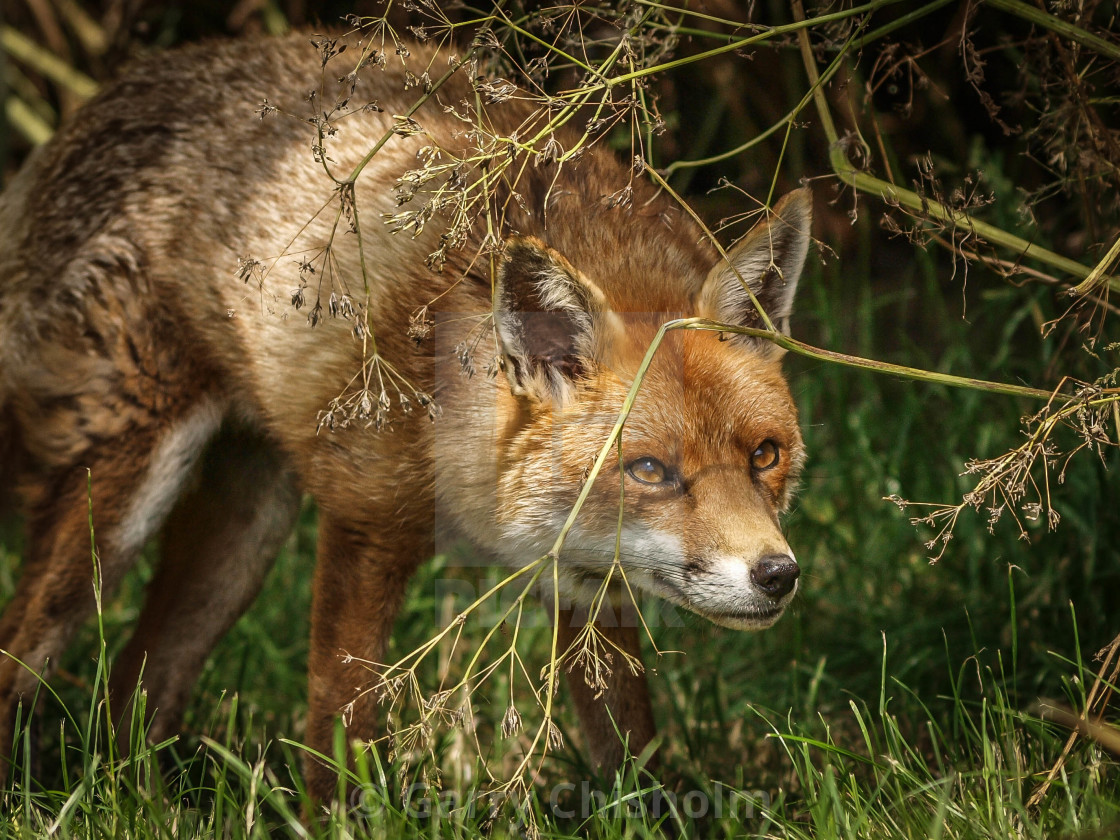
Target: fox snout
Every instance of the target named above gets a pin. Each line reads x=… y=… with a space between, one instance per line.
x=743 y=594
x=776 y=575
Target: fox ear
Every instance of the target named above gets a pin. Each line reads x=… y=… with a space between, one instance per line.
x=545 y=313
x=769 y=259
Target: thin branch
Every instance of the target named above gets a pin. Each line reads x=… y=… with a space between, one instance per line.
x=894 y=195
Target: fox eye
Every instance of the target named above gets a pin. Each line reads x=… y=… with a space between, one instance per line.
x=648 y=471
x=766 y=456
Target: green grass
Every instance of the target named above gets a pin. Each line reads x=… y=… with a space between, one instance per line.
x=898 y=699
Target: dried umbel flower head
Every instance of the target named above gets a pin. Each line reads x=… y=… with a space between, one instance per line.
x=511 y=722
x=420 y=325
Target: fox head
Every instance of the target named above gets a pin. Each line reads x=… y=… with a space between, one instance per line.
x=709 y=453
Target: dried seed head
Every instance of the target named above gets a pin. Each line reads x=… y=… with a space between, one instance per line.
x=437 y=700
x=555 y=738
x=496 y=90
x=550 y=152
x=511 y=722
x=420 y=325
x=250 y=269
x=464 y=353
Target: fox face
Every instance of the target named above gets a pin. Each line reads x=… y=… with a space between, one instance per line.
x=707 y=457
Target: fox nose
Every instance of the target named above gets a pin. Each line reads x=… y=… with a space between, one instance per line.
x=775 y=575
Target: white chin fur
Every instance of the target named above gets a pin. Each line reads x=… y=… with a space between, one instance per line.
x=744 y=622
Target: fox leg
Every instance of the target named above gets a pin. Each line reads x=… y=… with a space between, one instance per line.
x=135 y=480
x=217 y=548
x=55 y=583
x=360 y=578
x=623 y=709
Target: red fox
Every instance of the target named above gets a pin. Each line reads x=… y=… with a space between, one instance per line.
x=187 y=313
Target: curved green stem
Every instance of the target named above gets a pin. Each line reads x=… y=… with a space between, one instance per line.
x=739 y=43
x=1057 y=26
x=893 y=194
x=917 y=374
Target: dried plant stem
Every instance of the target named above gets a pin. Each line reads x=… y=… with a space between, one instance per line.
x=783 y=341
x=1058 y=26
x=895 y=195
x=1096 y=703
x=23 y=118
x=699 y=15
x=897 y=23
x=415 y=656
x=436 y=85
x=917 y=374
x=767 y=323
x=550 y=47
x=801 y=25
x=803 y=349
x=1099 y=273
x=20 y=47
x=92 y=35
x=784 y=122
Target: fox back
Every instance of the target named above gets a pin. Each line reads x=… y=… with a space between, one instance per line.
x=215 y=311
